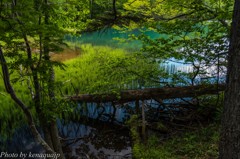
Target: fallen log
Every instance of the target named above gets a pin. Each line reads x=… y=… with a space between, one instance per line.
x=150 y=93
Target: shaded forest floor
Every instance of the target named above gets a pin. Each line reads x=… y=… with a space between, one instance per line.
x=201 y=143
x=195 y=136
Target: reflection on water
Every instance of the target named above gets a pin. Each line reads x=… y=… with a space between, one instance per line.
x=97 y=141
x=81 y=136
x=116 y=113
x=21 y=141
x=96 y=132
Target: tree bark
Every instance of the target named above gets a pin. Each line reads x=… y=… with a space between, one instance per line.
x=151 y=93
x=229 y=147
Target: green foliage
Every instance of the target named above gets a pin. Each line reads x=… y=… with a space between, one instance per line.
x=199 y=144
x=133 y=124
x=28 y=32
x=195 y=32
x=11 y=117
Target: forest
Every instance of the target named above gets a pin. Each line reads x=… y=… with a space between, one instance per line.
x=120 y=79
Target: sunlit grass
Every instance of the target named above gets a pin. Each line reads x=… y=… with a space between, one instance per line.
x=104 y=70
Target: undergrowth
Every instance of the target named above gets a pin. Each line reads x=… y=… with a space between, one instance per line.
x=201 y=143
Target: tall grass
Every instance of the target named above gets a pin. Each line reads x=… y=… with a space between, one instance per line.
x=104 y=70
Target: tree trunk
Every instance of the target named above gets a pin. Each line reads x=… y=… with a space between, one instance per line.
x=137 y=107
x=51 y=125
x=151 y=93
x=114 y=9
x=50 y=133
x=37 y=97
x=144 y=135
x=91 y=8
x=229 y=147
x=55 y=140
x=24 y=108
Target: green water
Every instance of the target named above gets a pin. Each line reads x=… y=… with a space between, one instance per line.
x=112 y=38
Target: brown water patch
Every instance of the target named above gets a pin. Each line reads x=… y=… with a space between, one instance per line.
x=65 y=55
